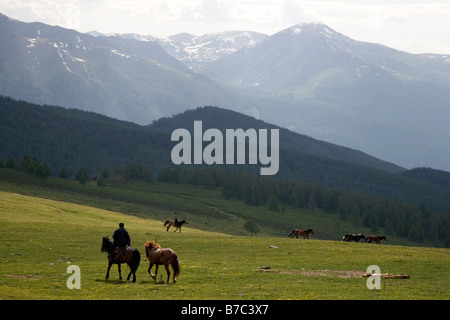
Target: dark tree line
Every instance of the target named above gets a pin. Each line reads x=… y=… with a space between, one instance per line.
x=33 y=166
x=30 y=165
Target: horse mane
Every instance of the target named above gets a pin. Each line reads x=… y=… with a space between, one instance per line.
x=152 y=244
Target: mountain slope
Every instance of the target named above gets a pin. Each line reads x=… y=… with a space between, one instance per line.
x=308 y=78
x=71 y=139
x=196 y=51
x=222 y=119
x=295 y=56
x=122 y=78
x=388 y=103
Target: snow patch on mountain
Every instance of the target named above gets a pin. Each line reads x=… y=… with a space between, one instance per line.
x=195 y=51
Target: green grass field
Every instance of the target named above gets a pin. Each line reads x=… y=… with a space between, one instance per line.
x=45 y=230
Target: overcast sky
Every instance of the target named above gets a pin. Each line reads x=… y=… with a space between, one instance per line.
x=413 y=26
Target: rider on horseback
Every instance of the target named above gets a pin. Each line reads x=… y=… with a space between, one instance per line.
x=121 y=239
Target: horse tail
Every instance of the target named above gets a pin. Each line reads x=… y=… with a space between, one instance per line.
x=291 y=233
x=176 y=265
x=136 y=259
x=166 y=223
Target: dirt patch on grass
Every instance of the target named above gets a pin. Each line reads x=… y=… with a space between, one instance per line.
x=23 y=276
x=334 y=273
x=323 y=273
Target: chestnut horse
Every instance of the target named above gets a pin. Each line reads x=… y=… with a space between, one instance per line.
x=377 y=239
x=177 y=224
x=120 y=255
x=303 y=233
x=158 y=256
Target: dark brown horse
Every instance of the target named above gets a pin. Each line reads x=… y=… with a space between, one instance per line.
x=177 y=224
x=303 y=233
x=377 y=239
x=158 y=256
x=120 y=255
x=354 y=237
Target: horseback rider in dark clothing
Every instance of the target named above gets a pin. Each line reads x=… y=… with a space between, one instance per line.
x=121 y=238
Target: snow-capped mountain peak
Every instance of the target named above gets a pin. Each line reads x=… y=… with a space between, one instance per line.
x=195 y=51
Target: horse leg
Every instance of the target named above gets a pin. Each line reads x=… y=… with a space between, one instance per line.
x=131 y=271
x=168 y=228
x=120 y=272
x=166 y=265
x=129 y=275
x=156 y=272
x=107 y=271
x=150 y=273
x=133 y=268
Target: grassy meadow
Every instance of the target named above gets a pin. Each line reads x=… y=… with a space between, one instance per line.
x=42 y=234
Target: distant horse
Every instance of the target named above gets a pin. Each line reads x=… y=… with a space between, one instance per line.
x=303 y=233
x=353 y=237
x=158 y=256
x=177 y=225
x=127 y=255
x=377 y=239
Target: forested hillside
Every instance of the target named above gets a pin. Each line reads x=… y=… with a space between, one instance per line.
x=222 y=119
x=72 y=139
x=53 y=141
x=69 y=138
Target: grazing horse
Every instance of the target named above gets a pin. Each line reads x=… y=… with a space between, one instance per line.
x=377 y=239
x=127 y=255
x=158 y=256
x=177 y=224
x=303 y=233
x=353 y=237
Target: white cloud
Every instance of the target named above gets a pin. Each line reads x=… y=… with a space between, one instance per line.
x=415 y=26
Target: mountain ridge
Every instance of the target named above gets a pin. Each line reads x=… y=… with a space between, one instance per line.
x=222 y=119
x=384 y=102
x=123 y=78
